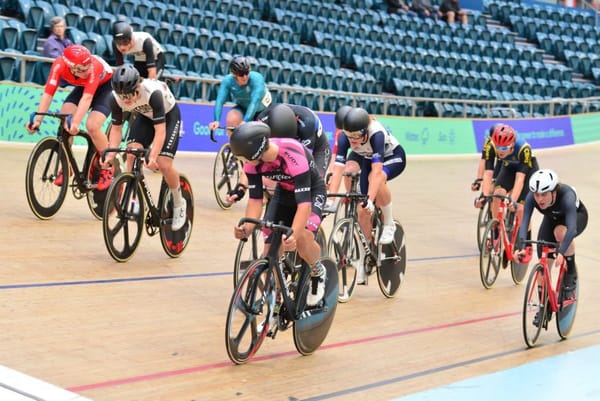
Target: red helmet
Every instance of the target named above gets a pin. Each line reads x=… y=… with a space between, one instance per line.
x=75 y=55
x=503 y=135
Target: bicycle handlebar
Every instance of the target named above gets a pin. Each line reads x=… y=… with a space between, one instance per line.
x=549 y=244
x=353 y=195
x=505 y=198
x=267 y=224
x=61 y=116
x=137 y=152
x=212 y=132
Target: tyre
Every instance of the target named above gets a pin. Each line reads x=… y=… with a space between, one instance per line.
x=485 y=215
x=535 y=303
x=345 y=249
x=322 y=241
x=490 y=256
x=567 y=309
x=247 y=251
x=45 y=163
x=390 y=274
x=247 y=325
x=311 y=329
x=175 y=242
x=123 y=217
x=226 y=175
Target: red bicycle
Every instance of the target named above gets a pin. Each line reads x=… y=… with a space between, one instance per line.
x=542 y=298
x=498 y=241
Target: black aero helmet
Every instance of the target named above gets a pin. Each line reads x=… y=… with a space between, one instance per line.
x=122 y=32
x=250 y=140
x=125 y=79
x=239 y=65
x=282 y=121
x=339 y=116
x=356 y=120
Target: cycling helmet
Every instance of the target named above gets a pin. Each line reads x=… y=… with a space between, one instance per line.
x=125 y=79
x=339 y=116
x=122 y=32
x=282 y=121
x=504 y=135
x=239 y=65
x=492 y=128
x=250 y=140
x=544 y=180
x=356 y=120
x=77 y=55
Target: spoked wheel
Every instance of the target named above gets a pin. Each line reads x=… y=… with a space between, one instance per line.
x=45 y=198
x=95 y=197
x=534 y=306
x=345 y=249
x=247 y=325
x=248 y=250
x=490 y=257
x=123 y=218
x=226 y=175
x=175 y=242
x=313 y=325
x=390 y=273
x=567 y=308
x=483 y=219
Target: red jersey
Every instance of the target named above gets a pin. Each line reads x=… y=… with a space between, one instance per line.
x=100 y=73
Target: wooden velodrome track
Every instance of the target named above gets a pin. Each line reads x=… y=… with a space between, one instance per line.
x=153 y=328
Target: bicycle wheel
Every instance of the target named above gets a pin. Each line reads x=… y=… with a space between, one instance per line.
x=485 y=215
x=247 y=324
x=322 y=240
x=175 y=242
x=44 y=197
x=247 y=252
x=345 y=248
x=567 y=308
x=313 y=325
x=123 y=218
x=226 y=175
x=390 y=273
x=534 y=306
x=490 y=257
x=518 y=271
x=342 y=210
x=95 y=197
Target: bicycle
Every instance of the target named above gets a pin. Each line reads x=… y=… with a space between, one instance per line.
x=349 y=247
x=227 y=170
x=483 y=218
x=498 y=241
x=271 y=297
x=53 y=156
x=542 y=299
x=128 y=198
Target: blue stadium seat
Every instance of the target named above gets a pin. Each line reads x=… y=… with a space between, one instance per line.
x=39 y=15
x=8 y=68
x=130 y=8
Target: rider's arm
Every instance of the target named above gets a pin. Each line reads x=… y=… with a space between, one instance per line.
x=258 y=89
x=569 y=205
x=222 y=96
x=339 y=162
x=524 y=227
x=148 y=49
x=119 y=59
x=377 y=177
x=254 y=206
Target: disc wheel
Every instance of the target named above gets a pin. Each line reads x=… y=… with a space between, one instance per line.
x=490 y=256
x=345 y=249
x=390 y=273
x=226 y=175
x=44 y=197
x=247 y=325
x=535 y=303
x=567 y=308
x=123 y=218
x=175 y=242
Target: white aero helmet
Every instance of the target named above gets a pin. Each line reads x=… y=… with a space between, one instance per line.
x=544 y=180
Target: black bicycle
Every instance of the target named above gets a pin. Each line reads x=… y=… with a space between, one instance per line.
x=349 y=247
x=129 y=207
x=271 y=296
x=227 y=170
x=53 y=157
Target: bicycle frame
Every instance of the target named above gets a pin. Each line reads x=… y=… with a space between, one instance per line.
x=547 y=278
x=507 y=242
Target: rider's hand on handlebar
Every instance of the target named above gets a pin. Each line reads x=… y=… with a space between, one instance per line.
x=213 y=126
x=476 y=185
x=478 y=202
x=368 y=205
x=237 y=193
x=33 y=127
x=241 y=232
x=289 y=243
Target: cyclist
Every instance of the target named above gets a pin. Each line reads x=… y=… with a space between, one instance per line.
x=517 y=165
x=299 y=195
x=488 y=162
x=245 y=88
x=147 y=52
x=565 y=217
x=156 y=127
x=90 y=75
x=380 y=157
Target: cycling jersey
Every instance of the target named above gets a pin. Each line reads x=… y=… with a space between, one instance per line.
x=100 y=73
x=521 y=159
x=145 y=48
x=379 y=144
x=155 y=100
x=251 y=98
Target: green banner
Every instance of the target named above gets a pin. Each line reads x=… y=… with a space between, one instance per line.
x=432 y=136
x=585 y=128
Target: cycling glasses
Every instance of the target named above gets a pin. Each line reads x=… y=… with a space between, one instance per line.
x=79 y=69
x=243 y=74
x=122 y=41
x=355 y=134
x=504 y=148
x=127 y=96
